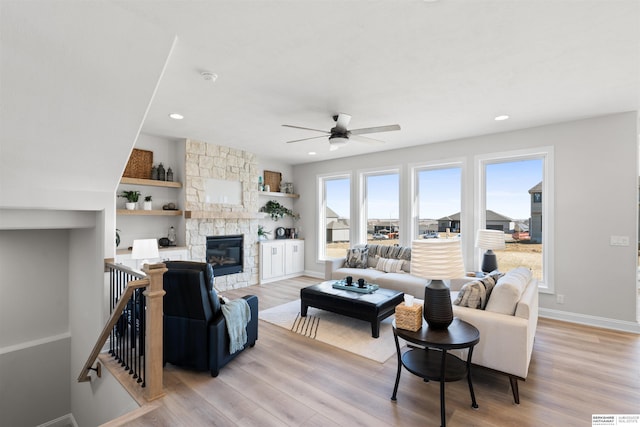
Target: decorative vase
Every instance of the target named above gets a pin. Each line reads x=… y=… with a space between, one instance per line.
x=130 y=206
x=147 y=206
x=161 y=172
x=437 y=305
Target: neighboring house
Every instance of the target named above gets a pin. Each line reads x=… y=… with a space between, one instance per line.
x=535 y=223
x=338 y=230
x=494 y=221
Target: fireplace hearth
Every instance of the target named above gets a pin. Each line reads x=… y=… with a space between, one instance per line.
x=224 y=253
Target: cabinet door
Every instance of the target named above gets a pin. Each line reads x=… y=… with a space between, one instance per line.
x=294 y=257
x=271 y=260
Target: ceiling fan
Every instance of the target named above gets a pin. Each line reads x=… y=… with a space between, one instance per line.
x=339 y=135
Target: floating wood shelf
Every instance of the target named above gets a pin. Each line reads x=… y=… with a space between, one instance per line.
x=150 y=182
x=141 y=212
x=274 y=194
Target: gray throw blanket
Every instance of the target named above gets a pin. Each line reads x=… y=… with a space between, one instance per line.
x=237 y=315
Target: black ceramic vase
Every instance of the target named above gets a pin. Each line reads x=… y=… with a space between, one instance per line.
x=437 y=305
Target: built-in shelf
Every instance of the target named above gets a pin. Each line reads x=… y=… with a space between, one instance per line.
x=274 y=194
x=142 y=212
x=150 y=182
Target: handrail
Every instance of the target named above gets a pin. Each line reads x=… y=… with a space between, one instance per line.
x=106 y=331
x=126 y=269
x=150 y=278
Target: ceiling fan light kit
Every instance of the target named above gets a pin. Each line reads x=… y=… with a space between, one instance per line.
x=339 y=135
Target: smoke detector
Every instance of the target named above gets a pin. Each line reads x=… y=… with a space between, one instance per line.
x=209 y=76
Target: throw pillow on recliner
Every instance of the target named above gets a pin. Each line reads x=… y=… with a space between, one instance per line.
x=357 y=258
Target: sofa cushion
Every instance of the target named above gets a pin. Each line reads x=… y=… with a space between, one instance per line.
x=406 y=283
x=357 y=258
x=506 y=293
x=389 y=265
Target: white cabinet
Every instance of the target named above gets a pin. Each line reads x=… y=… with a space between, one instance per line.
x=294 y=257
x=166 y=254
x=280 y=259
x=271 y=260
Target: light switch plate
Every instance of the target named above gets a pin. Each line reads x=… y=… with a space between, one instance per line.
x=619 y=241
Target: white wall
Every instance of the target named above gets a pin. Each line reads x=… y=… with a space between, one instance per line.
x=102 y=399
x=34 y=326
x=595 y=197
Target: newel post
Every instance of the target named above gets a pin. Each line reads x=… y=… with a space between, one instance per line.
x=154 y=331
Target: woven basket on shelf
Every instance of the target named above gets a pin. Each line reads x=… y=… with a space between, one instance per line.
x=139 y=164
x=409 y=318
x=272 y=179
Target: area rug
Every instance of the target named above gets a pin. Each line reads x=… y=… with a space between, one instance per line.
x=339 y=331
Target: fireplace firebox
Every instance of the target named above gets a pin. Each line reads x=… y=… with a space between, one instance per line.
x=224 y=253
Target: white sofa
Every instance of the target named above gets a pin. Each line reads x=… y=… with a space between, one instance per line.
x=506 y=340
x=507 y=326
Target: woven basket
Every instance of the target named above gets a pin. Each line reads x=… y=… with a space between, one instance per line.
x=139 y=164
x=409 y=318
x=272 y=179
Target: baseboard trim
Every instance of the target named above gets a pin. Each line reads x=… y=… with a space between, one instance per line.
x=63 y=421
x=585 y=319
x=314 y=274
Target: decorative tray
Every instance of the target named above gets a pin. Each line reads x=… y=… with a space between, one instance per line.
x=369 y=288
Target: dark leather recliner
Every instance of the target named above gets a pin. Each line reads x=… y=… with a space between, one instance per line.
x=195 y=330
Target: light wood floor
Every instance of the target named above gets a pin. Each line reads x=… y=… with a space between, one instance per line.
x=289 y=380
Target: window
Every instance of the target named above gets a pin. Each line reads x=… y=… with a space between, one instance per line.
x=438 y=196
x=382 y=207
x=515 y=200
x=334 y=227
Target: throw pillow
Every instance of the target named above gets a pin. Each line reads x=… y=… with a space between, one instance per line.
x=470 y=295
x=357 y=258
x=390 y=265
x=475 y=294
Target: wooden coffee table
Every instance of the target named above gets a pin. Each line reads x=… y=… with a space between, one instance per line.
x=372 y=307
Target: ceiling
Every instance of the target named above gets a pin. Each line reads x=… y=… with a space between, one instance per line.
x=442 y=70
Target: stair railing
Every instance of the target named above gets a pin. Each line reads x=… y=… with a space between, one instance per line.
x=135 y=326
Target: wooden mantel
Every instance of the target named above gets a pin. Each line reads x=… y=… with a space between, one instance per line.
x=223 y=215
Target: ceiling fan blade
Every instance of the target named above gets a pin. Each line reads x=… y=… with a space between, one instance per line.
x=342 y=122
x=300 y=127
x=306 y=139
x=365 y=139
x=374 y=129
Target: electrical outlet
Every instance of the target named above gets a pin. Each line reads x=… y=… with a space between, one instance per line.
x=560 y=299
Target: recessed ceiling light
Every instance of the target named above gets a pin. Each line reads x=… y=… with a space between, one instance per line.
x=312 y=153
x=176 y=116
x=501 y=118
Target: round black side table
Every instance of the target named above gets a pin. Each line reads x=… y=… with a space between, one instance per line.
x=433 y=362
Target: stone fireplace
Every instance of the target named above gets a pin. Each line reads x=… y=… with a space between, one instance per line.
x=207 y=164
